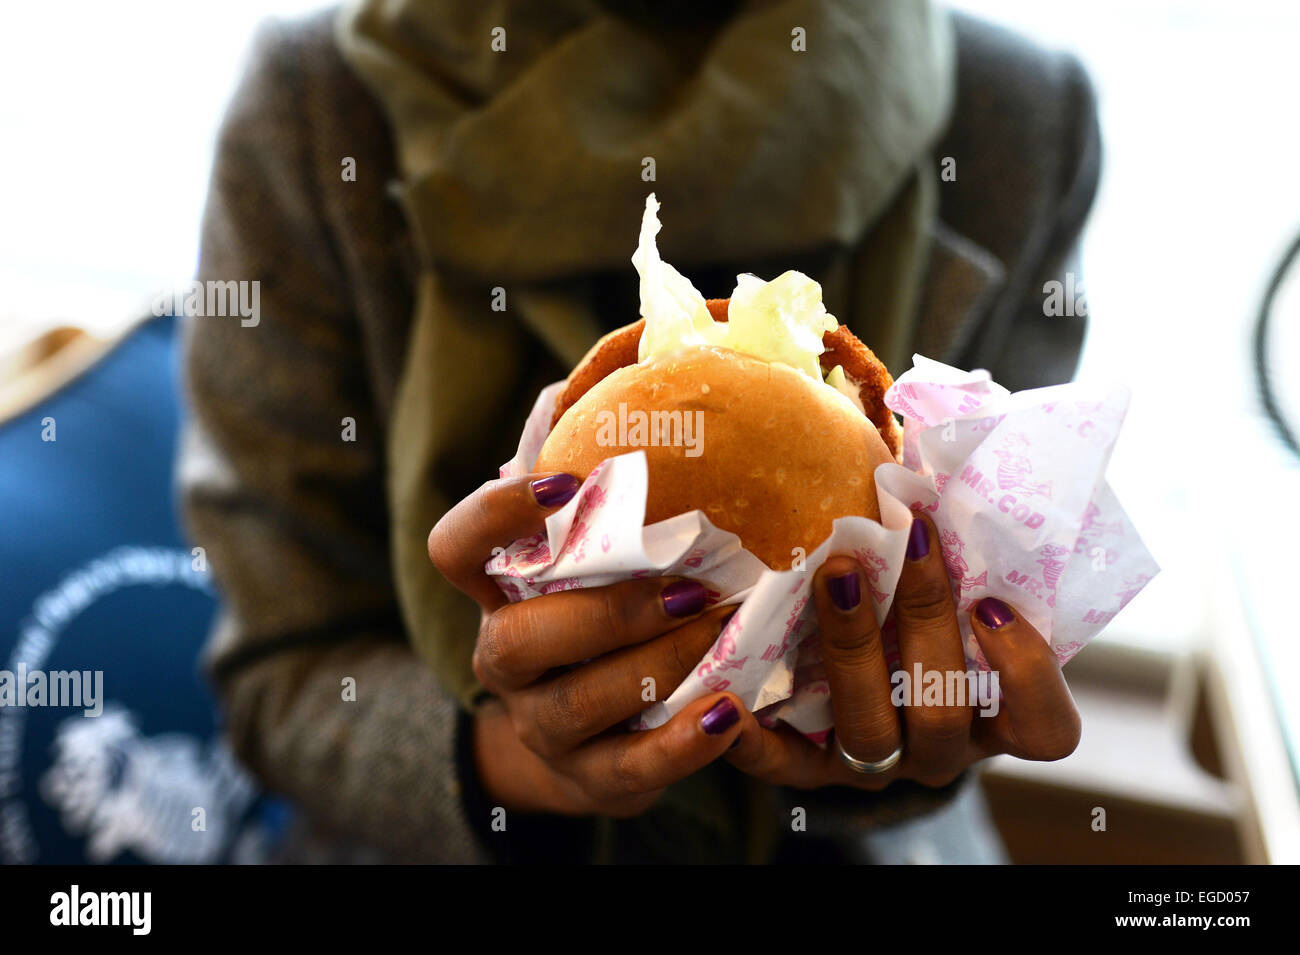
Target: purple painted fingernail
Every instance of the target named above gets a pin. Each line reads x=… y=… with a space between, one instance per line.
x=918 y=540
x=993 y=613
x=721 y=717
x=845 y=591
x=684 y=598
x=555 y=490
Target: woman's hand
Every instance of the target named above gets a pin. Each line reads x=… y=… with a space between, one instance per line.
x=568 y=667
x=1036 y=719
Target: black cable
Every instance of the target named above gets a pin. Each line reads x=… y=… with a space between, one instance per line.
x=1266 y=394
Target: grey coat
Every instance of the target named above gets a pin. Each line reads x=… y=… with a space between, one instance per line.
x=294 y=520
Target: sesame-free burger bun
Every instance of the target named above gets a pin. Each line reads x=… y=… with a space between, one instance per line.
x=765 y=451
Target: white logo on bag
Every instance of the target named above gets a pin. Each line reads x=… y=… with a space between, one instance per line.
x=126 y=791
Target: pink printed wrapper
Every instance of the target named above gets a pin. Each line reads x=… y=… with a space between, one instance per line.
x=1015 y=484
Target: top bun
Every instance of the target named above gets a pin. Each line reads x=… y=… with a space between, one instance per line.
x=762 y=449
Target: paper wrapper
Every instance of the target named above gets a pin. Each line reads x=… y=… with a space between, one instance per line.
x=1014 y=483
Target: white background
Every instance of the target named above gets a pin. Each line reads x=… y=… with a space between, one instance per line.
x=108 y=111
x=1200 y=197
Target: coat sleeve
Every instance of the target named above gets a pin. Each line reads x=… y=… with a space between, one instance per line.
x=281 y=480
x=1027 y=143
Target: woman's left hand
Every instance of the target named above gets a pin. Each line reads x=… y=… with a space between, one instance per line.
x=1035 y=719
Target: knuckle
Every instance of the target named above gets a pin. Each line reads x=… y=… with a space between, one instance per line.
x=872 y=746
x=447 y=539
x=600 y=793
x=852 y=647
x=482 y=672
x=928 y=598
x=1060 y=743
x=625 y=779
x=874 y=784
x=938 y=779
x=569 y=706
x=616 y=617
x=529 y=734
x=800 y=783
x=940 y=723
x=629 y=807
x=682 y=648
x=765 y=764
x=1018 y=670
x=492 y=654
x=847 y=643
x=599 y=789
x=674 y=657
x=442 y=550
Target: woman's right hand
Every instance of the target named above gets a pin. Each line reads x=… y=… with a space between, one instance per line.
x=569 y=668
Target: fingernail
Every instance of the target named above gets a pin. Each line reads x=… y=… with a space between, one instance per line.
x=918 y=540
x=721 y=717
x=555 y=490
x=845 y=591
x=684 y=598
x=993 y=613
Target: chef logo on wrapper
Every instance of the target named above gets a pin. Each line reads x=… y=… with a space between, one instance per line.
x=1014 y=482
